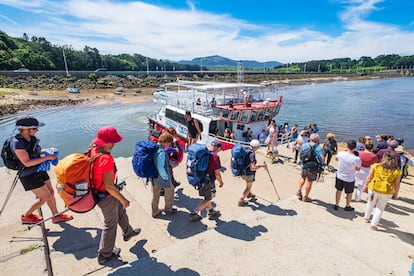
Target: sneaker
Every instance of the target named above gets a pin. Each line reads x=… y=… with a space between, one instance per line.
x=250 y=195
x=131 y=234
x=194 y=217
x=115 y=254
x=349 y=208
x=157 y=214
x=335 y=207
x=31 y=219
x=243 y=203
x=62 y=218
x=172 y=212
x=212 y=212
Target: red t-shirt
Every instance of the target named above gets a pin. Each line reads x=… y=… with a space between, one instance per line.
x=102 y=164
x=213 y=164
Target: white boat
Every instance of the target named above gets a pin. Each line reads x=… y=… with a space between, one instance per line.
x=73 y=90
x=216 y=105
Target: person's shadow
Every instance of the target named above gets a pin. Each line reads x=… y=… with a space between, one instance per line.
x=85 y=246
x=151 y=266
x=270 y=209
x=237 y=230
x=338 y=213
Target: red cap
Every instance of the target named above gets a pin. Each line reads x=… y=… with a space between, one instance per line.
x=107 y=135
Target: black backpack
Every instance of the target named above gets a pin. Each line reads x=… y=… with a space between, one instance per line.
x=10 y=159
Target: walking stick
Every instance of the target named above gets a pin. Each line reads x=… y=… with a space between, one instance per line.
x=271 y=180
x=10 y=192
x=46 y=219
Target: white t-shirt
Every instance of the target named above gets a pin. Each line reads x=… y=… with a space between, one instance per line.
x=346 y=166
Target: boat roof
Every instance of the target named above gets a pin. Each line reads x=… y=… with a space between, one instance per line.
x=205 y=85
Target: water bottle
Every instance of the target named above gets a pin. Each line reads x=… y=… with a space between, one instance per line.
x=81 y=188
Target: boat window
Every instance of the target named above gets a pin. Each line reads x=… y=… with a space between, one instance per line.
x=175 y=116
x=225 y=114
x=216 y=112
x=260 y=116
x=235 y=115
x=245 y=116
x=253 y=116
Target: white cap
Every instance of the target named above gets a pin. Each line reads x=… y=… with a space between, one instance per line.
x=254 y=143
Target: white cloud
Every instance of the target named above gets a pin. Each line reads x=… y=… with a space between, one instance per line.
x=167 y=33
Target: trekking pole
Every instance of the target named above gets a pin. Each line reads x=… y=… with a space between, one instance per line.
x=271 y=180
x=46 y=219
x=10 y=193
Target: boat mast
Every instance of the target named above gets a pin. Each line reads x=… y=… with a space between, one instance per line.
x=64 y=60
x=240 y=74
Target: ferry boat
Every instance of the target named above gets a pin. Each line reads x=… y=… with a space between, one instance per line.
x=217 y=106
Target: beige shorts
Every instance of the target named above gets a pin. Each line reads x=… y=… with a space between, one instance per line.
x=248 y=178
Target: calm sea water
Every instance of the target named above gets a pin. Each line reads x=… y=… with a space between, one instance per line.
x=349 y=109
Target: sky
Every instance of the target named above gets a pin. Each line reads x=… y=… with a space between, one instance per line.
x=263 y=30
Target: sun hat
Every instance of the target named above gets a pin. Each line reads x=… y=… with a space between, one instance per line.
x=314 y=137
x=107 y=135
x=216 y=143
x=393 y=143
x=254 y=143
x=26 y=121
x=330 y=135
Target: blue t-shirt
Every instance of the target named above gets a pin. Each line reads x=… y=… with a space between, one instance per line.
x=252 y=158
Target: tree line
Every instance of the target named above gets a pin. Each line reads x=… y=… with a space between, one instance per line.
x=36 y=53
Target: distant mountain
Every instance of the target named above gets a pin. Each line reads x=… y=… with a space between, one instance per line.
x=223 y=62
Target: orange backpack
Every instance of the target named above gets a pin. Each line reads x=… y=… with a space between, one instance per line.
x=73 y=174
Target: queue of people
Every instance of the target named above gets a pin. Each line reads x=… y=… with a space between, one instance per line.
x=377 y=173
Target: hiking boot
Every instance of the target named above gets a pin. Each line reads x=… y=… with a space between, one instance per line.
x=212 y=212
x=243 y=203
x=250 y=195
x=131 y=234
x=115 y=254
x=349 y=208
x=194 y=217
x=31 y=219
x=62 y=218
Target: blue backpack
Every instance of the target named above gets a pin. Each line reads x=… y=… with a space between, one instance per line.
x=143 y=160
x=240 y=160
x=198 y=157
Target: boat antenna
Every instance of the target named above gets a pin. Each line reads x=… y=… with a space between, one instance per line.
x=240 y=74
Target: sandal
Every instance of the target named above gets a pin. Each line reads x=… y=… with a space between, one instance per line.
x=299 y=195
x=307 y=199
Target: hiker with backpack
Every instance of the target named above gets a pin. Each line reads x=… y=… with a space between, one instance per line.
x=163 y=180
x=175 y=154
x=249 y=175
x=111 y=201
x=26 y=148
x=312 y=159
x=208 y=189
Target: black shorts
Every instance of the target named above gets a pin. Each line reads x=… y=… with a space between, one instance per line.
x=348 y=186
x=206 y=191
x=34 y=181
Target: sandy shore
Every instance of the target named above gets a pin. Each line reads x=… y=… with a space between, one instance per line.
x=268 y=237
x=17 y=100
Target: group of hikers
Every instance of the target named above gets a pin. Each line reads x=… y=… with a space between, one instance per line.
x=375 y=169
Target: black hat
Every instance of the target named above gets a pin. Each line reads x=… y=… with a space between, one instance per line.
x=26 y=121
x=216 y=143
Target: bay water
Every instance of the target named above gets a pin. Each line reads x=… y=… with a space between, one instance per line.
x=349 y=109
